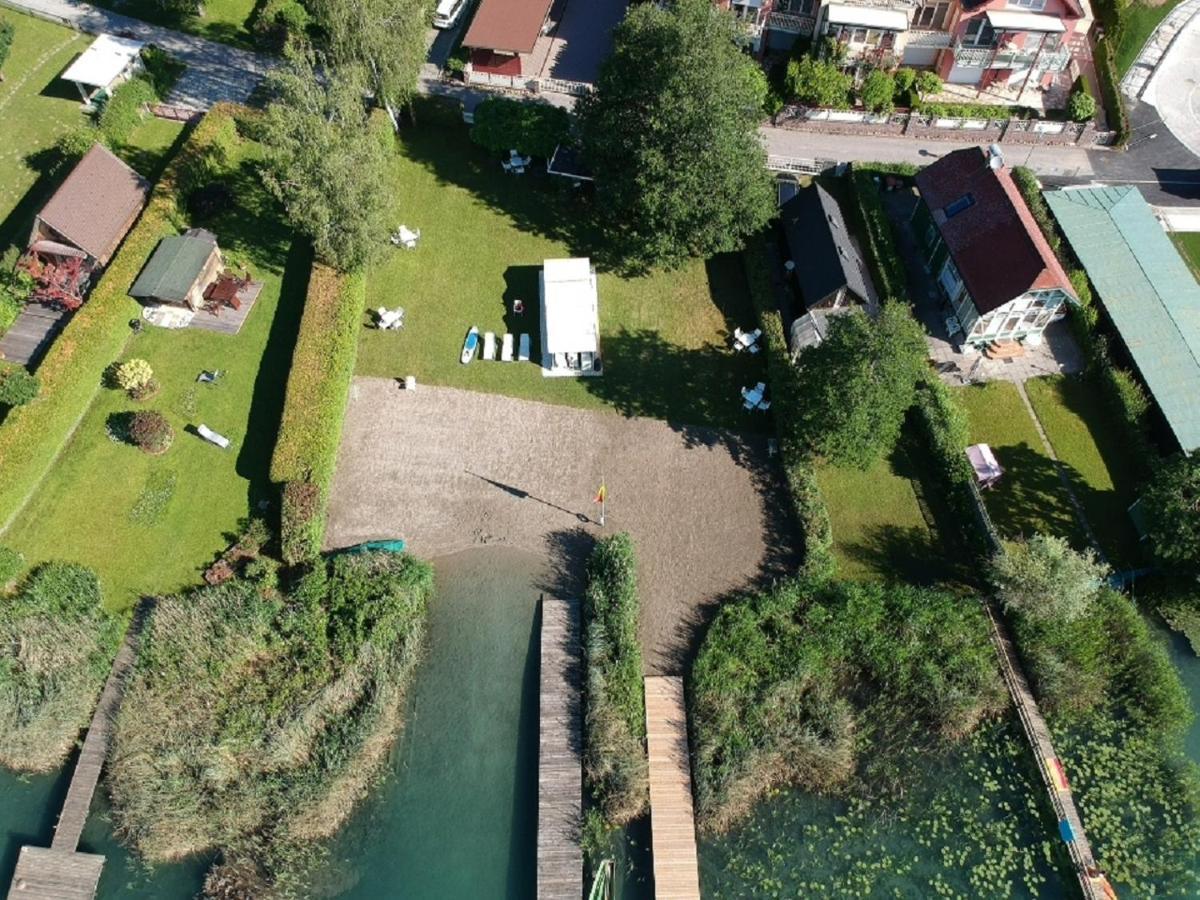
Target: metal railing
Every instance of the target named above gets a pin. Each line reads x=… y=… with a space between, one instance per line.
x=920 y=37
x=800 y=166
x=993 y=58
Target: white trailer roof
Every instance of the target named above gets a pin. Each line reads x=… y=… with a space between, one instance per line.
x=570 y=307
x=101 y=63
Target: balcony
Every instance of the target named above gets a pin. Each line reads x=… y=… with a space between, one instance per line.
x=791 y=23
x=1010 y=58
x=922 y=37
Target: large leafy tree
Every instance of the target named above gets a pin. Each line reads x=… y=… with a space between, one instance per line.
x=385 y=37
x=1043 y=579
x=670 y=134
x=859 y=383
x=1172 y=503
x=326 y=164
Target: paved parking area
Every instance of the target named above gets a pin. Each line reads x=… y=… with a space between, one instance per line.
x=1174 y=89
x=580 y=40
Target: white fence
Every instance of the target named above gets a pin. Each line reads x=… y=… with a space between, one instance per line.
x=528 y=84
x=799 y=166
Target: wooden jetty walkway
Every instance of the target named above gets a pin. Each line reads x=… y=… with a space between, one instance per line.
x=31 y=334
x=61 y=872
x=672 y=818
x=560 y=754
x=1092 y=881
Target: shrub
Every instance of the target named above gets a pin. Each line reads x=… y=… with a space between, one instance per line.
x=12 y=564
x=974 y=111
x=1172 y=504
x=125 y=110
x=16 y=285
x=1081 y=105
x=133 y=375
x=887 y=266
x=315 y=402
x=1031 y=191
x=150 y=431
x=301 y=509
x=72 y=145
x=162 y=70
x=17 y=386
x=56 y=646
x=878 y=91
x=905 y=80
x=1043 y=578
x=615 y=755
x=456 y=62
x=1110 y=90
x=276 y=23
x=533 y=129
x=6 y=39
x=31 y=437
x=815 y=82
x=928 y=83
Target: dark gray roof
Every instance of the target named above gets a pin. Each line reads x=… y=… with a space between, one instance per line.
x=820 y=245
x=175 y=266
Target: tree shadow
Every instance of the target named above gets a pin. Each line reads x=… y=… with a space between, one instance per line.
x=906 y=553
x=1030 y=498
x=523 y=845
x=16 y=226
x=521 y=283
x=728 y=288
x=567 y=552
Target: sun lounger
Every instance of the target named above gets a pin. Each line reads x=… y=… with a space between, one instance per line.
x=489 y=345
x=523 y=349
x=506 y=348
x=212 y=437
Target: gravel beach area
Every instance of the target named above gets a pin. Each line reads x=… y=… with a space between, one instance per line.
x=448 y=469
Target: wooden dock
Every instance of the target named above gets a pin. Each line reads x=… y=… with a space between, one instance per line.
x=1093 y=883
x=60 y=872
x=672 y=818
x=30 y=336
x=560 y=754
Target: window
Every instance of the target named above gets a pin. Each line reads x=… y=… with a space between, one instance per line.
x=962 y=203
x=932 y=15
x=979 y=33
x=796 y=7
x=858 y=35
x=1035 y=5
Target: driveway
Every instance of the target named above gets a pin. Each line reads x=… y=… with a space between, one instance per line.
x=448 y=470
x=215 y=72
x=1174 y=89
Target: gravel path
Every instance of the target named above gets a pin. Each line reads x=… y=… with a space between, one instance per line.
x=449 y=469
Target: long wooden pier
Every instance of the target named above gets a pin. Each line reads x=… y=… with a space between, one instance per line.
x=672 y=818
x=1091 y=880
x=61 y=872
x=560 y=754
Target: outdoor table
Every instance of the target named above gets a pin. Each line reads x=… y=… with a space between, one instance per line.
x=753 y=396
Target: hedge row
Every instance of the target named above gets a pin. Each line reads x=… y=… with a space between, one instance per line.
x=1124 y=394
x=314 y=407
x=615 y=751
x=808 y=505
x=32 y=436
x=886 y=264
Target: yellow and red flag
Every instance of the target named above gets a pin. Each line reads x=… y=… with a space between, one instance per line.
x=601 y=495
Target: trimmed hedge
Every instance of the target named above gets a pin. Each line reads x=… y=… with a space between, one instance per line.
x=125 y=110
x=615 y=752
x=314 y=408
x=32 y=436
x=886 y=264
x=808 y=505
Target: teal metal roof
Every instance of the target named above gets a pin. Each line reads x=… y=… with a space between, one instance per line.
x=174 y=267
x=1147 y=289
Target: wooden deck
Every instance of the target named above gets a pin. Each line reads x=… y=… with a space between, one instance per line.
x=1091 y=881
x=230 y=320
x=31 y=335
x=560 y=754
x=55 y=875
x=672 y=819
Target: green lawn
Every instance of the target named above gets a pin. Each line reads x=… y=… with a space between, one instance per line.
x=223 y=20
x=1029 y=498
x=879 y=530
x=1077 y=423
x=1188 y=245
x=147 y=524
x=484 y=236
x=1140 y=19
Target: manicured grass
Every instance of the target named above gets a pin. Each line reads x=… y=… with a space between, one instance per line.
x=1029 y=499
x=1077 y=423
x=484 y=235
x=1188 y=245
x=223 y=20
x=1140 y=19
x=879 y=530
x=84 y=510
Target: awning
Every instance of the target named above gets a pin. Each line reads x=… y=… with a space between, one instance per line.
x=570 y=322
x=867 y=17
x=1008 y=20
x=103 y=61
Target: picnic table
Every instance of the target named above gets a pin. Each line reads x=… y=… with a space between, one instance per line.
x=746 y=340
x=753 y=397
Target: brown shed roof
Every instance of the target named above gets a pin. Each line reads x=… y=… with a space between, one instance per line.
x=97 y=203
x=512 y=26
x=991 y=235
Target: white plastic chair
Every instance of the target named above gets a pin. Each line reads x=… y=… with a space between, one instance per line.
x=765 y=405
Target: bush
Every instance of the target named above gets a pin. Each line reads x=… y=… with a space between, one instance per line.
x=125 y=110
x=1042 y=578
x=991 y=112
x=1031 y=191
x=17 y=386
x=300 y=512
x=815 y=82
x=276 y=23
x=31 y=437
x=878 y=92
x=533 y=129
x=905 y=80
x=151 y=431
x=887 y=267
x=315 y=402
x=162 y=70
x=1081 y=105
x=133 y=375
x=12 y=564
x=1172 y=506
x=928 y=83
x=615 y=754
x=1110 y=90
x=16 y=286
x=6 y=39
x=456 y=62
x=56 y=646
x=72 y=145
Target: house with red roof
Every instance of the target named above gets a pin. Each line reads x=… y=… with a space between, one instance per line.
x=986 y=252
x=503 y=32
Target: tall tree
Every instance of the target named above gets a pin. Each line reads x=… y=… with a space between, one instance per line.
x=671 y=134
x=1045 y=580
x=859 y=383
x=327 y=164
x=1172 y=502
x=385 y=37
